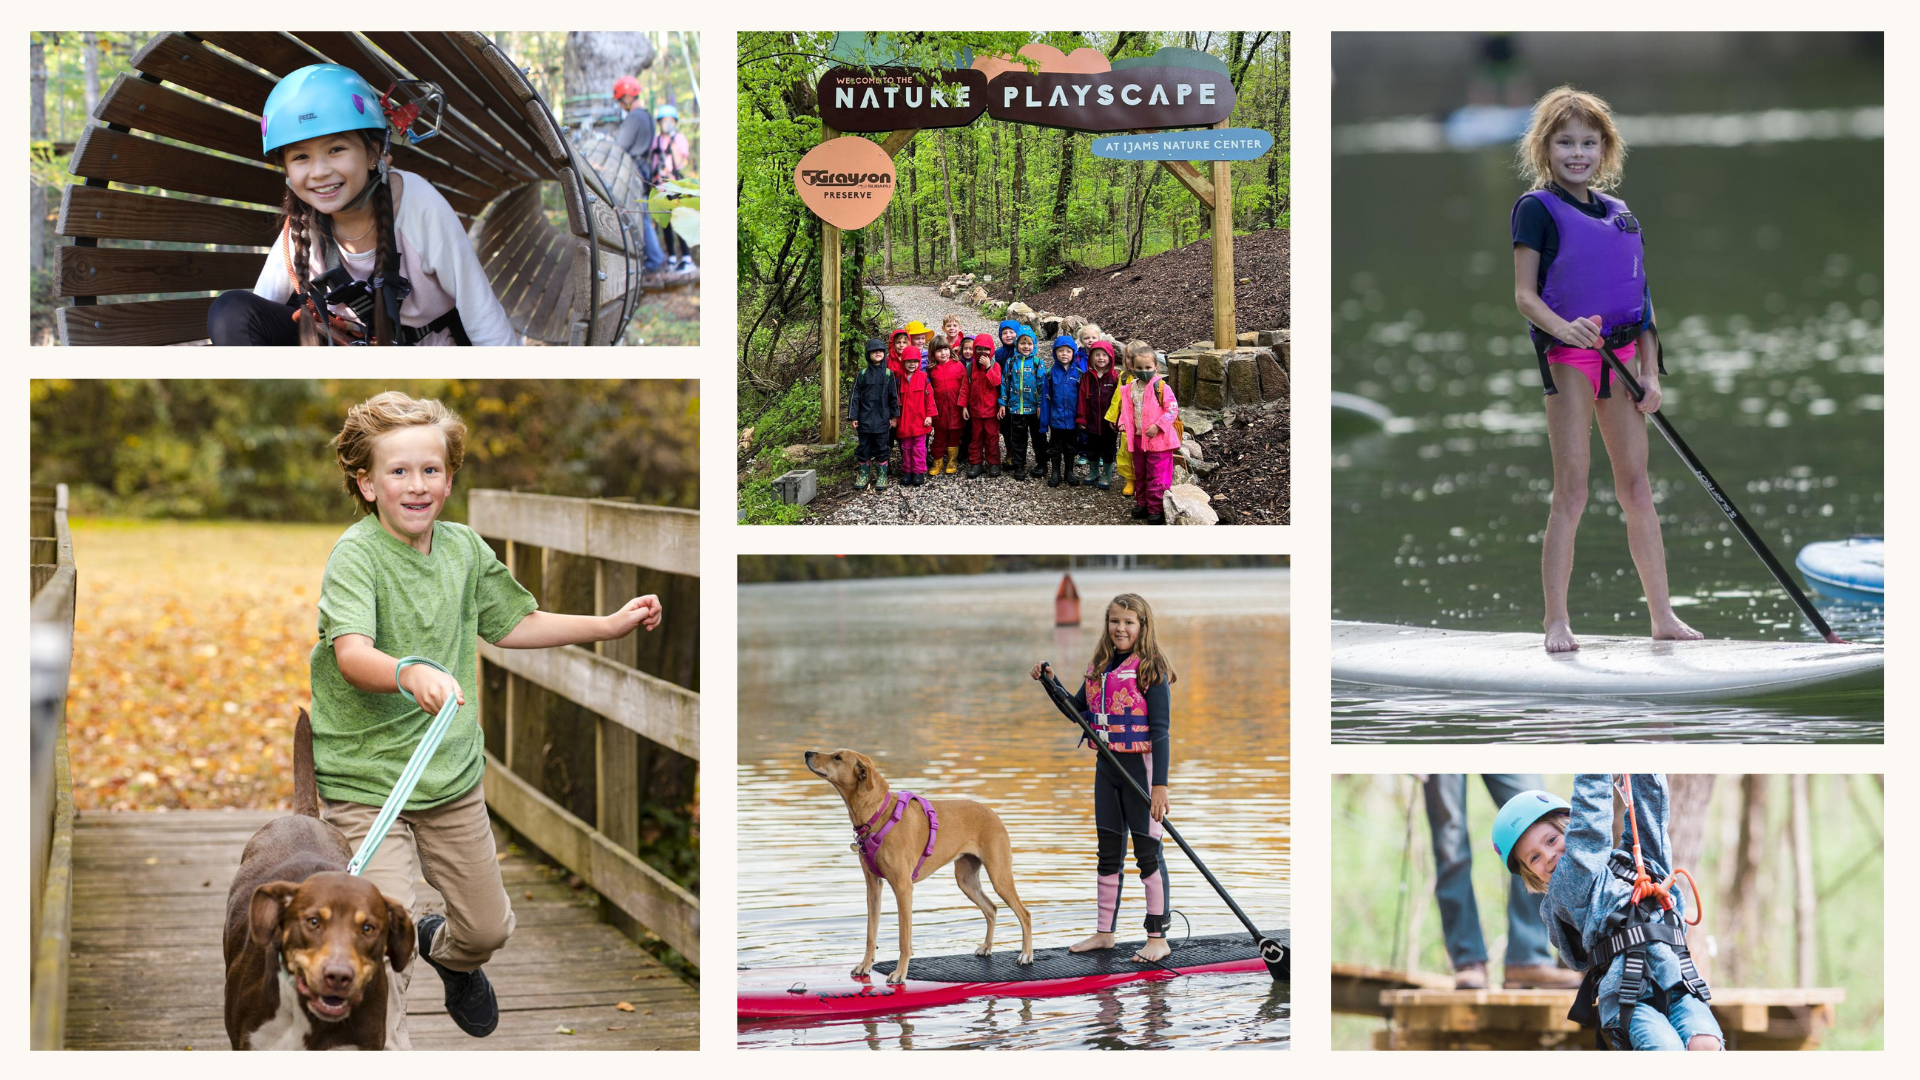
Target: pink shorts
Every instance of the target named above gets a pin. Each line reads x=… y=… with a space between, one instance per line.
x=1589 y=362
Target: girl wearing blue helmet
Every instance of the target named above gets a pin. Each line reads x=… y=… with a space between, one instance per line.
x=367 y=254
x=1641 y=990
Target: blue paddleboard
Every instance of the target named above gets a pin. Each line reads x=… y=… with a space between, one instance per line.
x=1851 y=569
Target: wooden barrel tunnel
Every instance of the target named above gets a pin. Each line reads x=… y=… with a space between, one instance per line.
x=498 y=141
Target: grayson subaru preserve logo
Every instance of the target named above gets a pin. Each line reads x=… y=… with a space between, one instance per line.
x=847 y=182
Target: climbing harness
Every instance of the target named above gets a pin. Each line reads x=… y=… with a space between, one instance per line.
x=867 y=841
x=410 y=776
x=1648 y=917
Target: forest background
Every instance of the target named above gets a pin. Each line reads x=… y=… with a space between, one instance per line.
x=1016 y=202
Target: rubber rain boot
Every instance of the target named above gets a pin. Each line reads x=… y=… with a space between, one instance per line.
x=880 y=477
x=1073 y=478
x=953 y=460
x=860 y=481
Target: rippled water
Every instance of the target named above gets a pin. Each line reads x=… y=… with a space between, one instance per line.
x=1765 y=262
x=929 y=677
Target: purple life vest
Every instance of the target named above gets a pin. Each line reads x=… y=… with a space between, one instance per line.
x=1119 y=708
x=1599 y=269
x=868 y=840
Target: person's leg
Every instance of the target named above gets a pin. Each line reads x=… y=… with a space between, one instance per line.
x=393 y=870
x=1038 y=437
x=989 y=430
x=458 y=856
x=656 y=259
x=1526 y=934
x=1569 y=421
x=1016 y=429
x=1693 y=1021
x=1109 y=821
x=1651 y=1030
x=1624 y=430
x=1148 y=854
x=1446 y=799
x=243 y=317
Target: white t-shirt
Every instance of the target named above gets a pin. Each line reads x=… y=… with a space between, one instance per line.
x=436 y=257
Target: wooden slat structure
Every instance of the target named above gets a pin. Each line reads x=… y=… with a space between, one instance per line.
x=572 y=733
x=54 y=588
x=1790 y=1018
x=1357 y=987
x=189 y=125
x=150 y=902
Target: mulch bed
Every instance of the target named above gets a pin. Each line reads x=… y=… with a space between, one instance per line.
x=1253 y=484
x=1168 y=299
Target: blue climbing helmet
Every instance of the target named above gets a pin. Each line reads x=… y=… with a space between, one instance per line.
x=319 y=99
x=665 y=111
x=1518 y=816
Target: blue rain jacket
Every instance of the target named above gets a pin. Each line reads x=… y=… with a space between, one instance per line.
x=1060 y=392
x=1020 y=382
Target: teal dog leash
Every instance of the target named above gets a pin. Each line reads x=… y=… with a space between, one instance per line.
x=416 y=765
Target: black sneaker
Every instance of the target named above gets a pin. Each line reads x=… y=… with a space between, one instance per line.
x=1138 y=511
x=470 y=999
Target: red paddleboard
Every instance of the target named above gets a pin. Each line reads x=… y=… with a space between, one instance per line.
x=828 y=991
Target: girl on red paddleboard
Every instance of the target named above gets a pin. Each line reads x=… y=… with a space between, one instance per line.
x=1580 y=280
x=1125 y=695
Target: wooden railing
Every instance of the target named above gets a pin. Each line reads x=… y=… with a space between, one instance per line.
x=578 y=738
x=51 y=876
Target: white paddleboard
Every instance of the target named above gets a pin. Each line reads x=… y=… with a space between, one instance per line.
x=1854 y=569
x=1475 y=662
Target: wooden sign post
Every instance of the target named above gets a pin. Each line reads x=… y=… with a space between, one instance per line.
x=829 y=323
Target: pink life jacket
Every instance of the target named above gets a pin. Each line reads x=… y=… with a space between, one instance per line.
x=1119 y=708
x=867 y=841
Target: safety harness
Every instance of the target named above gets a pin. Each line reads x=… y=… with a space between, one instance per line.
x=1648 y=917
x=867 y=840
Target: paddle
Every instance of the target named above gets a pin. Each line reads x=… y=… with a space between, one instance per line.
x=1721 y=500
x=1277 y=956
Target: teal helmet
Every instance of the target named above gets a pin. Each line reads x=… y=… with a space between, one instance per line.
x=319 y=99
x=665 y=111
x=1518 y=816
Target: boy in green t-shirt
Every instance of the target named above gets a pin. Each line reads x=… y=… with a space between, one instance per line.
x=400 y=583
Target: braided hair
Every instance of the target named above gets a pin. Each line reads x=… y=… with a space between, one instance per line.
x=302 y=222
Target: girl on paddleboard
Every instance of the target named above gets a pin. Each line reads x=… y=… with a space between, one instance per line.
x=1125 y=695
x=1580 y=280
x=1649 y=995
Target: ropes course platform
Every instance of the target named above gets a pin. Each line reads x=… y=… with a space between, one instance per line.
x=1786 y=1018
x=1357 y=987
x=149 y=901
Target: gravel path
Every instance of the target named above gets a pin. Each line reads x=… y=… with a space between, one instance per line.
x=956 y=500
x=924 y=302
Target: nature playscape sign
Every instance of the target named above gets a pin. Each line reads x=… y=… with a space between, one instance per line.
x=1213 y=144
x=1078 y=91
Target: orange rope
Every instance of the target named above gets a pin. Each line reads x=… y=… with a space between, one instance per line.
x=1643 y=883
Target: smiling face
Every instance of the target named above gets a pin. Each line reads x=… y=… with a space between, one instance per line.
x=1539 y=848
x=1063 y=355
x=1574 y=151
x=409 y=482
x=1123 y=628
x=329 y=171
x=1006 y=335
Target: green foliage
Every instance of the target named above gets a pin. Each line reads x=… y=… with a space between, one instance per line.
x=258 y=450
x=793 y=418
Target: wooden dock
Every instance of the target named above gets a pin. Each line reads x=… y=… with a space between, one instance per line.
x=149 y=901
x=1785 y=1018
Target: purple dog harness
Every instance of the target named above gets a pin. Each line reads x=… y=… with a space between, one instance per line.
x=869 y=841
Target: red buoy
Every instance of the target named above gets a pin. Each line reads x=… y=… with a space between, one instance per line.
x=1066 y=603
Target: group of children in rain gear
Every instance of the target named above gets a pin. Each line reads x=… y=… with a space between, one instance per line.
x=945 y=397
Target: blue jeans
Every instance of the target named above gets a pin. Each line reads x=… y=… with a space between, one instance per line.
x=1689 y=1016
x=1453 y=885
x=656 y=258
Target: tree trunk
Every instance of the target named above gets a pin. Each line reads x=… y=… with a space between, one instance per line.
x=90 y=66
x=1279 y=127
x=994 y=219
x=886 y=244
x=37 y=130
x=595 y=58
x=953 y=227
x=1690 y=794
x=1019 y=185
x=1804 y=904
x=1052 y=257
x=913 y=202
x=1744 y=928
x=1139 y=239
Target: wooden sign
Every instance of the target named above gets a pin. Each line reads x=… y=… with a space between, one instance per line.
x=1211 y=144
x=846 y=182
x=1127 y=99
x=893 y=99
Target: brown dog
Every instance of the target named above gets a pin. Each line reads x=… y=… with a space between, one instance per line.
x=970 y=835
x=306 y=944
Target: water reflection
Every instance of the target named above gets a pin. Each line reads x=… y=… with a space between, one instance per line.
x=928 y=676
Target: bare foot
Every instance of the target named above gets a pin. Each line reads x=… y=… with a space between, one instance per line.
x=1155 y=950
x=1097 y=941
x=1560 y=638
x=1672 y=629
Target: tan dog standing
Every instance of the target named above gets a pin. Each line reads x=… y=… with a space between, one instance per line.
x=971 y=835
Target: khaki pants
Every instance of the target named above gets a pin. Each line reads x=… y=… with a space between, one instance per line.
x=454 y=845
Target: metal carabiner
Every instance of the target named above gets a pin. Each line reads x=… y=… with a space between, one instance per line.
x=402 y=117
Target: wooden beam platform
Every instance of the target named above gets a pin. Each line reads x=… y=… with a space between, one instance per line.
x=150 y=893
x=1357 y=987
x=1761 y=1018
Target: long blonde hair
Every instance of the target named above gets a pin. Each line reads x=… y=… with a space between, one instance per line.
x=1154 y=667
x=1561 y=106
x=380 y=414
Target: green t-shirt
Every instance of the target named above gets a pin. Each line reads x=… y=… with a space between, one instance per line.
x=410 y=604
